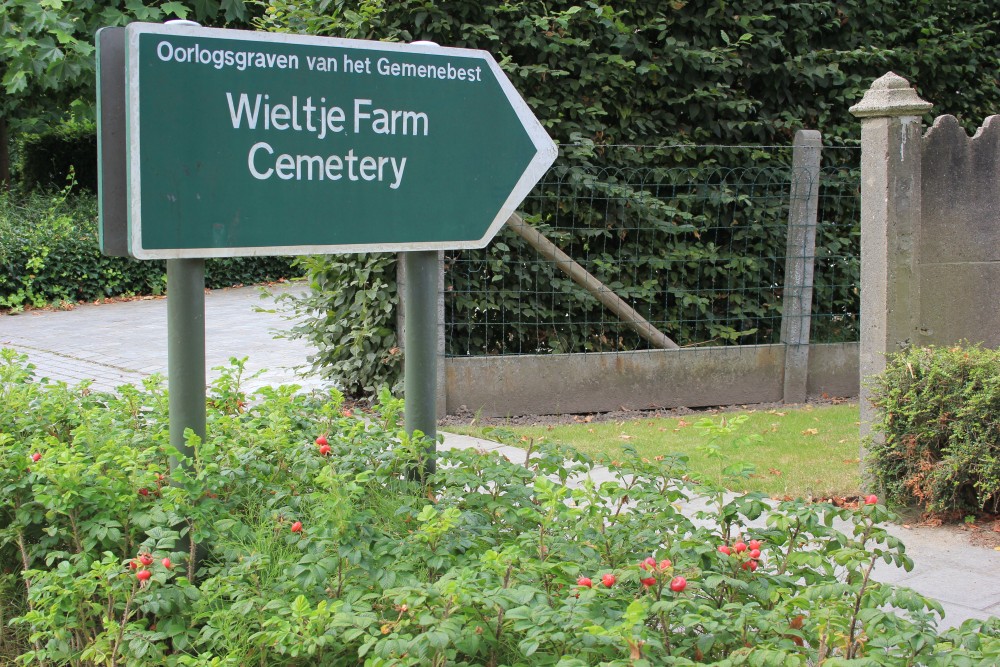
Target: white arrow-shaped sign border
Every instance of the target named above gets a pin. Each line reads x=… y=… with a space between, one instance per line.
x=545 y=149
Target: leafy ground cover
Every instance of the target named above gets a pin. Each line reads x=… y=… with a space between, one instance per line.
x=808 y=451
x=318 y=543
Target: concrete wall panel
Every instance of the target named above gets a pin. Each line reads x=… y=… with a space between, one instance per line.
x=834 y=369
x=581 y=383
x=961 y=193
x=959 y=302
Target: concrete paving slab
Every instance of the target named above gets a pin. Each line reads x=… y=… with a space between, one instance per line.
x=122 y=342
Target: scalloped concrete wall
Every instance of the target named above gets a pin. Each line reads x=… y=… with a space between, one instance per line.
x=959 y=234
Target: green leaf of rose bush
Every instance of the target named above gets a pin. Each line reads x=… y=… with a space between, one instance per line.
x=490 y=562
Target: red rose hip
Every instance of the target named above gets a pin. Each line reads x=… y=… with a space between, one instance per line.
x=678 y=584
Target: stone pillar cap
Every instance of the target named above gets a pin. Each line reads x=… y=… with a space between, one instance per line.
x=890 y=95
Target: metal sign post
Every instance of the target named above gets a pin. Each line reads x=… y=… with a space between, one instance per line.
x=186 y=351
x=420 y=348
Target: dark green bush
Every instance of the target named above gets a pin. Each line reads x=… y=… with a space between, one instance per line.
x=939 y=427
x=48 y=159
x=49 y=253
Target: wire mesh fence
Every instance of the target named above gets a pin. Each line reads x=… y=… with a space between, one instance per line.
x=694 y=253
x=837 y=264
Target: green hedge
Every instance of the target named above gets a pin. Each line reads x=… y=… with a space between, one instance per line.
x=49 y=253
x=49 y=159
x=939 y=427
x=668 y=75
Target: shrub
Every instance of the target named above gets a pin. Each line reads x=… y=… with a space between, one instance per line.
x=48 y=159
x=349 y=314
x=49 y=253
x=340 y=556
x=939 y=428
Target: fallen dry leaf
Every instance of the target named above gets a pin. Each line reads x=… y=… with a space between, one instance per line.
x=774 y=471
x=625 y=436
x=810 y=431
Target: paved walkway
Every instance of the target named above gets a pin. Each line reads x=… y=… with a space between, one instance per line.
x=119 y=343
x=123 y=342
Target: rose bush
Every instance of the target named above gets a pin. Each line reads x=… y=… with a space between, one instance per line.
x=339 y=559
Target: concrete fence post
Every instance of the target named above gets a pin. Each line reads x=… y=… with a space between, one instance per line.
x=891 y=133
x=796 y=310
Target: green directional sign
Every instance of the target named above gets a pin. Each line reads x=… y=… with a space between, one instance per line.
x=244 y=143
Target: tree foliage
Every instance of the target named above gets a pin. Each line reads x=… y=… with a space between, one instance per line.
x=47 y=65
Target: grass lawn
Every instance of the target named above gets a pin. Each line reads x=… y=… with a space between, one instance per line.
x=804 y=452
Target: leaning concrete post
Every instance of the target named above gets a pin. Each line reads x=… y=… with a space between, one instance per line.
x=890 y=221
x=796 y=309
